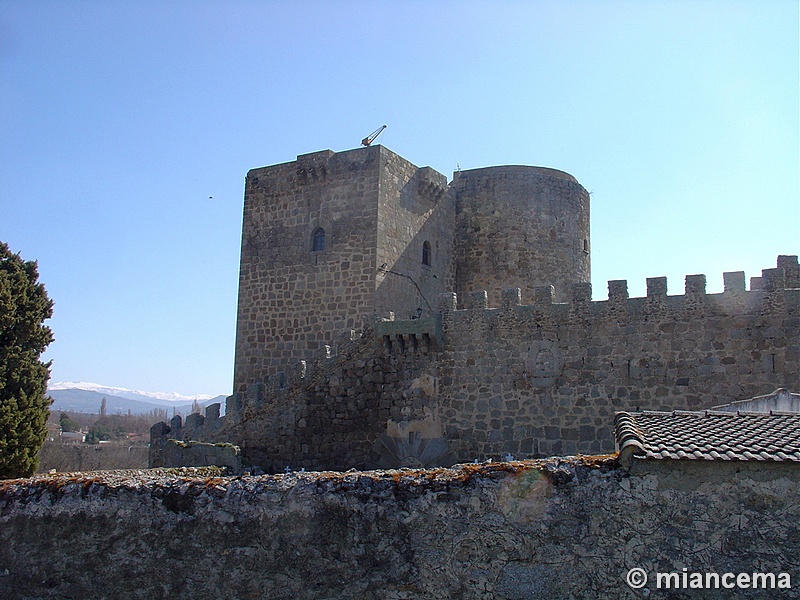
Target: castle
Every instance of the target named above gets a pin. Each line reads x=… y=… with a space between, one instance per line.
x=388 y=318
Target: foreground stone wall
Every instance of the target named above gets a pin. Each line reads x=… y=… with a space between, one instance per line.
x=555 y=529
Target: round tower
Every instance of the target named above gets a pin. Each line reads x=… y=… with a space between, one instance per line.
x=520 y=226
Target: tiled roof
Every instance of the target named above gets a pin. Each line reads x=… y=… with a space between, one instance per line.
x=708 y=435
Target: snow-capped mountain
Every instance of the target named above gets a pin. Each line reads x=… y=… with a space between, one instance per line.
x=126 y=393
x=87 y=397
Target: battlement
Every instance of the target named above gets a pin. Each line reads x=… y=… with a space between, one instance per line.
x=783 y=282
x=777 y=293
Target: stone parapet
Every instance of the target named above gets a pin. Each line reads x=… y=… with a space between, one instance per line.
x=733 y=300
x=561 y=528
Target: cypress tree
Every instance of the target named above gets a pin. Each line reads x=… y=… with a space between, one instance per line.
x=24 y=407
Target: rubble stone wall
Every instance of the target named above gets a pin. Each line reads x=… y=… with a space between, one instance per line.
x=551 y=529
x=547 y=378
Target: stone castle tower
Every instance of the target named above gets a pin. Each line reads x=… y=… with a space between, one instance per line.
x=520 y=227
x=332 y=240
x=387 y=318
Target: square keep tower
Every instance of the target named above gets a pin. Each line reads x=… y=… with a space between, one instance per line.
x=331 y=240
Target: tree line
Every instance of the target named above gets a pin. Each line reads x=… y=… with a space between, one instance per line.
x=102 y=427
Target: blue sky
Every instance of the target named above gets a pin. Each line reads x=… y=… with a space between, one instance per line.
x=118 y=121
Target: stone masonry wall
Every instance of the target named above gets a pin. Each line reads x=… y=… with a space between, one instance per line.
x=292 y=300
x=520 y=226
x=557 y=529
x=335 y=422
x=414 y=207
x=375 y=209
x=527 y=380
x=547 y=378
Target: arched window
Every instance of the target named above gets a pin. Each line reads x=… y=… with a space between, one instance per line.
x=318 y=240
x=426 y=253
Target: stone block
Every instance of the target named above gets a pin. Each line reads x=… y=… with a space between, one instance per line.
x=695 y=284
x=570 y=433
x=212 y=412
x=544 y=295
x=195 y=420
x=773 y=279
x=511 y=297
x=447 y=302
x=581 y=292
x=733 y=281
x=656 y=287
x=587 y=433
x=477 y=300
x=618 y=290
x=552 y=433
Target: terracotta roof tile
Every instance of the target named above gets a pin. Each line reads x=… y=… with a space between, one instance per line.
x=709 y=435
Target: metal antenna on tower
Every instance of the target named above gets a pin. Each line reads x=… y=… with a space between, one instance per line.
x=371 y=137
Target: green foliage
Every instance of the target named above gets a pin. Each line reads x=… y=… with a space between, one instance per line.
x=109 y=428
x=24 y=408
x=68 y=424
x=98 y=433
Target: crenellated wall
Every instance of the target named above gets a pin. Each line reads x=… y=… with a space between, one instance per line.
x=545 y=378
x=527 y=378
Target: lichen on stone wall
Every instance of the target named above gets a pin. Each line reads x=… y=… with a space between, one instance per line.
x=561 y=528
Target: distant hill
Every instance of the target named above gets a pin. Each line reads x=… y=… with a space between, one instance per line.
x=69 y=399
